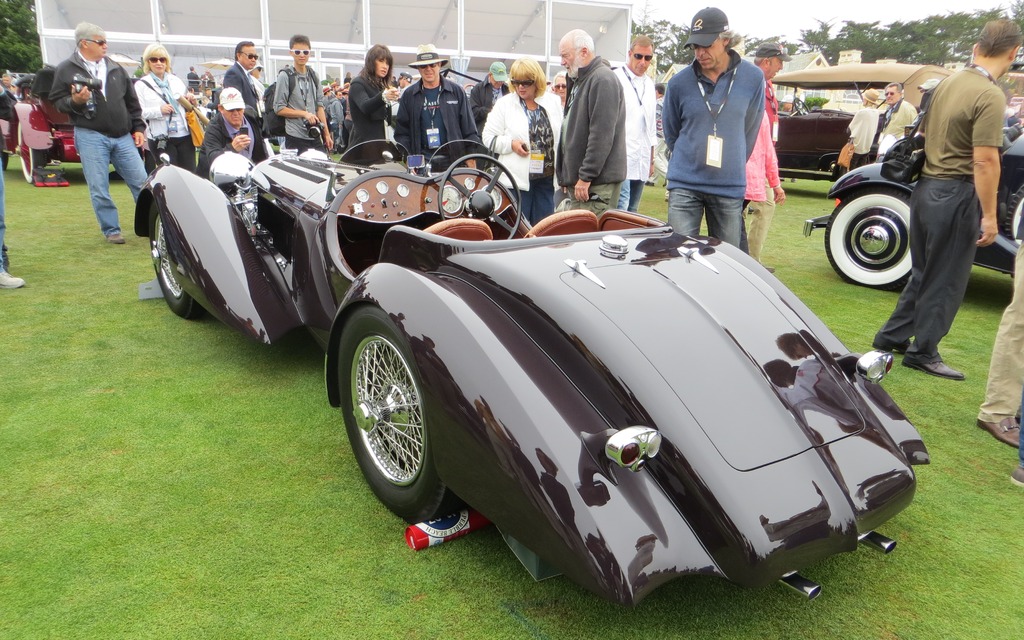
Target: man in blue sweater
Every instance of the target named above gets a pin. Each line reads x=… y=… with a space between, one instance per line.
x=711 y=116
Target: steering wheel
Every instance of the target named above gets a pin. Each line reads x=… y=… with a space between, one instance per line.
x=479 y=203
x=800 y=107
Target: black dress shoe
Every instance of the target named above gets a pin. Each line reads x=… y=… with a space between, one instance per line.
x=894 y=348
x=936 y=369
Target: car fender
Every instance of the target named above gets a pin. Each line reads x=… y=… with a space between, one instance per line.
x=220 y=265
x=868 y=176
x=34 y=126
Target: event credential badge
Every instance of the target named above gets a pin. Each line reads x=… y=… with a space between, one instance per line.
x=714 y=151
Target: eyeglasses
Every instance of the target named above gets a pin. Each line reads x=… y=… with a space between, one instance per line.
x=432 y=65
x=160 y=60
x=101 y=43
x=253 y=56
x=890 y=94
x=641 y=56
x=523 y=83
x=301 y=52
x=558 y=86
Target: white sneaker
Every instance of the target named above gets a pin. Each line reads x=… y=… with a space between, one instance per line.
x=7 y=281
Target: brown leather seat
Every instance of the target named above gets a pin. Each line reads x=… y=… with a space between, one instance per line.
x=617 y=220
x=565 y=223
x=462 y=229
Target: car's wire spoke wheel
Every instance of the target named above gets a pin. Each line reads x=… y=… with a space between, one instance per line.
x=867 y=239
x=383 y=403
x=164 y=268
x=180 y=302
x=387 y=408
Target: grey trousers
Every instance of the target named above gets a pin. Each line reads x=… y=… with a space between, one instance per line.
x=945 y=220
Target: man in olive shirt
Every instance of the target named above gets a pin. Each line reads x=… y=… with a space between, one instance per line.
x=953 y=207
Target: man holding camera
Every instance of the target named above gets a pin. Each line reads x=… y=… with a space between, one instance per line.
x=299 y=100
x=230 y=130
x=98 y=95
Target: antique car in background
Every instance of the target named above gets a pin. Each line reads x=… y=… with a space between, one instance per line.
x=575 y=382
x=38 y=133
x=810 y=140
x=867 y=235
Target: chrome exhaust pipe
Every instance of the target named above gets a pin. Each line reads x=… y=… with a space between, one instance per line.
x=801 y=585
x=877 y=541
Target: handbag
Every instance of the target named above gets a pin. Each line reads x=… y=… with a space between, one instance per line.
x=845 y=155
x=195 y=128
x=904 y=160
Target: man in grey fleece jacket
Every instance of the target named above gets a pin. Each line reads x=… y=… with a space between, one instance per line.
x=591 y=158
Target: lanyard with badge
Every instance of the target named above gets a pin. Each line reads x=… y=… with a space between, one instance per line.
x=433 y=133
x=714 y=155
x=536 y=154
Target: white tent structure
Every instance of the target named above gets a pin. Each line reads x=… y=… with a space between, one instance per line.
x=472 y=33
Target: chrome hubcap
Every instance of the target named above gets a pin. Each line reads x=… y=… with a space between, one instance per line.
x=875 y=239
x=387 y=408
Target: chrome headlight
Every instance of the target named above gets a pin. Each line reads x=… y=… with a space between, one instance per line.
x=873 y=365
x=231 y=169
x=632 y=447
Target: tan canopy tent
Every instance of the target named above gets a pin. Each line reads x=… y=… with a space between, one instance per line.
x=472 y=33
x=865 y=76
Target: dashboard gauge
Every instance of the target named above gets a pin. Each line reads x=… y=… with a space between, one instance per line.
x=470 y=182
x=496 y=199
x=362 y=195
x=382 y=187
x=451 y=200
x=403 y=190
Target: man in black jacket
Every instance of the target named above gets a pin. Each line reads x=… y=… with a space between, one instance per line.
x=108 y=122
x=434 y=110
x=487 y=92
x=230 y=130
x=239 y=76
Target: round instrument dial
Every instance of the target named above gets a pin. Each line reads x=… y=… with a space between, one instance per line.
x=403 y=190
x=470 y=182
x=362 y=195
x=382 y=187
x=451 y=201
x=496 y=199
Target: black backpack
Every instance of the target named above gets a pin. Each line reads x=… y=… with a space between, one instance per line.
x=273 y=124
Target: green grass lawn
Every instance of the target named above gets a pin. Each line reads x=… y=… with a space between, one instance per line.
x=161 y=478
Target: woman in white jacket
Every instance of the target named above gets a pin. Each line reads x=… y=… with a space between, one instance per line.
x=158 y=91
x=523 y=128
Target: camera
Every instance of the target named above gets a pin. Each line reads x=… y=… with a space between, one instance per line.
x=314 y=131
x=94 y=84
x=161 y=143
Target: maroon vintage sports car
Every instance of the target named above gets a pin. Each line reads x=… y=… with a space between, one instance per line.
x=628 y=405
x=38 y=133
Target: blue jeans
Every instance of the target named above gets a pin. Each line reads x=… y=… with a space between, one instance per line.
x=98 y=151
x=629 y=196
x=3 y=226
x=539 y=202
x=725 y=215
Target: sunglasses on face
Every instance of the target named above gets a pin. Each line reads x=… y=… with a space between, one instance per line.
x=558 y=86
x=523 y=83
x=432 y=65
x=889 y=94
x=641 y=56
x=101 y=43
x=252 y=56
x=160 y=60
x=301 y=52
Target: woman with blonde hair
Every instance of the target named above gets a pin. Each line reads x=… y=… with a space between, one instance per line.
x=159 y=91
x=523 y=128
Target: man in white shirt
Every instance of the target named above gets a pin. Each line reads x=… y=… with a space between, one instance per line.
x=641 y=121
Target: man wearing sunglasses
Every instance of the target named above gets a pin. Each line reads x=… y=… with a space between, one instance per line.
x=641 y=121
x=899 y=113
x=239 y=76
x=298 y=99
x=109 y=128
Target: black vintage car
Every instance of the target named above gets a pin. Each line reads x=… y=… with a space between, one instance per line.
x=810 y=140
x=628 y=405
x=867 y=238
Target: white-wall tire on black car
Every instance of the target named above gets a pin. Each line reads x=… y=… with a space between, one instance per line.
x=867 y=239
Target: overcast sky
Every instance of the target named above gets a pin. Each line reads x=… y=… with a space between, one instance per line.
x=787 y=18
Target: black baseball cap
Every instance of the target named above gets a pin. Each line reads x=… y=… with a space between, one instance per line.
x=706 y=26
x=771 y=50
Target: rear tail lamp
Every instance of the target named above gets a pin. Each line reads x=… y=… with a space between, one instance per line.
x=632 y=447
x=873 y=365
